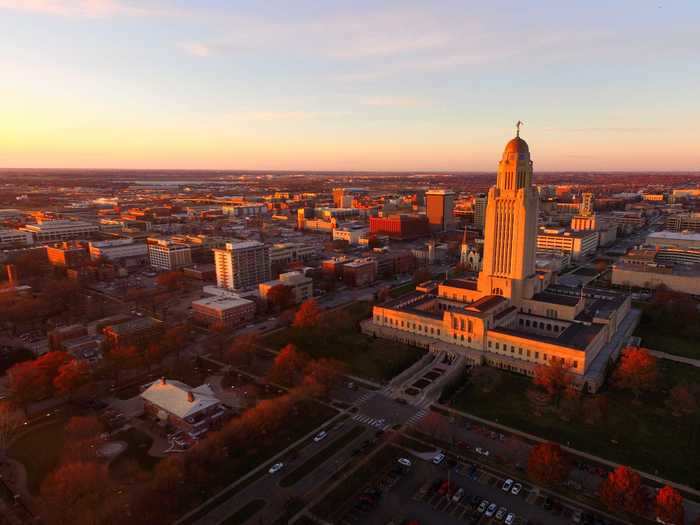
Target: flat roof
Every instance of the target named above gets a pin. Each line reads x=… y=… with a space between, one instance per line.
x=221 y=302
x=465 y=284
x=676 y=236
x=553 y=298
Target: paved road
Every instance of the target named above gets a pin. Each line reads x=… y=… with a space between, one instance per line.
x=268 y=487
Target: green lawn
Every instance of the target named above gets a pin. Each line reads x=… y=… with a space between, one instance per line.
x=39 y=452
x=642 y=434
x=676 y=344
x=402 y=289
x=368 y=357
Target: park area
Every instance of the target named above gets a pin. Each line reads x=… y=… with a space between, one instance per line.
x=643 y=434
x=340 y=338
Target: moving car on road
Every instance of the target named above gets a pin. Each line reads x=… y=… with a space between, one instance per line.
x=439 y=458
x=320 y=436
x=405 y=462
x=482 y=451
x=276 y=468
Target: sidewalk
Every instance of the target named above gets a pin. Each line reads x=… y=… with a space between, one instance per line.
x=676 y=358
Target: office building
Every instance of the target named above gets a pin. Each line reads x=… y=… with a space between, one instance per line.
x=579 y=244
x=61 y=230
x=163 y=254
x=10 y=238
x=439 y=205
x=683 y=221
x=67 y=255
x=302 y=286
x=400 y=226
x=242 y=265
x=228 y=310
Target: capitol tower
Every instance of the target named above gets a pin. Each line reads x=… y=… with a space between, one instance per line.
x=510 y=233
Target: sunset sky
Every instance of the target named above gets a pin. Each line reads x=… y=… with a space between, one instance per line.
x=349 y=85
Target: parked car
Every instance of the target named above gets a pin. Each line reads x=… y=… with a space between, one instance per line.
x=320 y=436
x=482 y=451
x=507 y=484
x=405 y=462
x=276 y=468
x=517 y=487
x=458 y=495
x=491 y=510
x=501 y=513
x=439 y=458
x=510 y=519
x=483 y=506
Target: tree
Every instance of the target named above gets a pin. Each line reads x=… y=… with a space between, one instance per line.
x=71 y=376
x=538 y=399
x=82 y=436
x=308 y=316
x=171 y=280
x=124 y=358
x=323 y=374
x=280 y=296
x=10 y=421
x=636 y=372
x=288 y=367
x=622 y=490
x=547 y=464
x=669 y=506
x=75 y=493
x=242 y=350
x=554 y=378
x=682 y=400
x=27 y=383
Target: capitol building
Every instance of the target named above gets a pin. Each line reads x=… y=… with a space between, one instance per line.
x=512 y=316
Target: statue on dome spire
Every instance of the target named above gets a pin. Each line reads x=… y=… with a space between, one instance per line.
x=517 y=127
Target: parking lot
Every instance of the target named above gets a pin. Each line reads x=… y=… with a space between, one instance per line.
x=456 y=494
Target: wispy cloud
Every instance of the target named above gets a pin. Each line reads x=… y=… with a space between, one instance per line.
x=196 y=49
x=81 y=8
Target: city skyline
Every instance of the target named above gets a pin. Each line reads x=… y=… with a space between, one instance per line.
x=158 y=85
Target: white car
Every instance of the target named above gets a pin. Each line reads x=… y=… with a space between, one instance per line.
x=405 y=462
x=439 y=458
x=507 y=484
x=276 y=468
x=516 y=489
x=482 y=451
x=320 y=436
x=458 y=495
x=510 y=519
x=491 y=510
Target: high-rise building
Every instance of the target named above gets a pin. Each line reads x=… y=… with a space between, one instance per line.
x=440 y=206
x=164 y=254
x=480 y=202
x=510 y=234
x=586 y=209
x=242 y=265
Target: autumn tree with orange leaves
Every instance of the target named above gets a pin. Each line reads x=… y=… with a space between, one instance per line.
x=669 y=506
x=637 y=371
x=547 y=464
x=622 y=490
x=288 y=367
x=323 y=374
x=76 y=493
x=308 y=316
x=555 y=378
x=71 y=376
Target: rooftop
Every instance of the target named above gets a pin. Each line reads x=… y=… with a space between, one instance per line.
x=553 y=298
x=173 y=397
x=221 y=302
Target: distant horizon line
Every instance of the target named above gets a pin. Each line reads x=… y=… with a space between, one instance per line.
x=322 y=171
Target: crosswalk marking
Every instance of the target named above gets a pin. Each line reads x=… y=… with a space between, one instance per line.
x=371 y=421
x=415 y=418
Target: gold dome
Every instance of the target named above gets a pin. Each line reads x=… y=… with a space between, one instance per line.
x=517 y=145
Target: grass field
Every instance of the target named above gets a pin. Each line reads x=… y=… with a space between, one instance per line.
x=655 y=339
x=374 y=359
x=641 y=434
x=39 y=452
